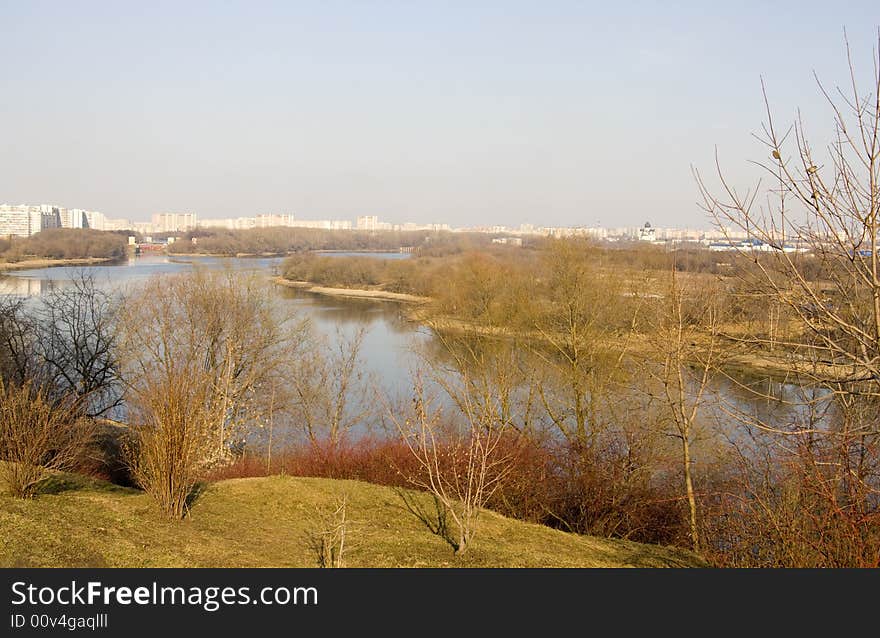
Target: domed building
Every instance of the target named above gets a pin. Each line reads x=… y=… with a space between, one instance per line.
x=646 y=233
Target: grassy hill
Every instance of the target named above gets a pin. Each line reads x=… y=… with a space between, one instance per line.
x=264 y=522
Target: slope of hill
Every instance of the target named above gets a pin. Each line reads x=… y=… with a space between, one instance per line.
x=266 y=522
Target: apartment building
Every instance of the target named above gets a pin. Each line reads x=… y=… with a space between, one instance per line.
x=174 y=222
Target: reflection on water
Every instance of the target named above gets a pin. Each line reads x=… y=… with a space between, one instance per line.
x=23 y=287
x=375 y=255
x=389 y=339
x=125 y=271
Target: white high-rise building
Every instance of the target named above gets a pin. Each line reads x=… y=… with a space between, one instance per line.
x=271 y=220
x=72 y=217
x=368 y=222
x=275 y=220
x=95 y=220
x=22 y=220
x=174 y=222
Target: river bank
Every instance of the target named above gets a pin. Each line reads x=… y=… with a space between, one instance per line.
x=363 y=293
x=29 y=264
x=174 y=255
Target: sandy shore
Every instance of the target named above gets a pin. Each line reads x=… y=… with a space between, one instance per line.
x=351 y=292
x=49 y=263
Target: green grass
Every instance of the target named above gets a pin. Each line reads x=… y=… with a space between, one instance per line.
x=263 y=522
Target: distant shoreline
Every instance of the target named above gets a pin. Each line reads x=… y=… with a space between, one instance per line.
x=382 y=295
x=357 y=251
x=29 y=264
x=226 y=255
x=350 y=251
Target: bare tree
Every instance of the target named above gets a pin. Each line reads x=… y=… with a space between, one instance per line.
x=577 y=352
x=330 y=393
x=492 y=372
x=76 y=345
x=816 y=223
x=270 y=427
x=687 y=339
x=818 y=219
x=17 y=341
x=65 y=342
x=462 y=461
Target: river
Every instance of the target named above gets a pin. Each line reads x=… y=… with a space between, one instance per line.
x=387 y=348
x=388 y=339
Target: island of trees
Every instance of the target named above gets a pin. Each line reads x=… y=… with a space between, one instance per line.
x=64 y=244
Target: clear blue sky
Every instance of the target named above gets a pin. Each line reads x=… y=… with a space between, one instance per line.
x=554 y=113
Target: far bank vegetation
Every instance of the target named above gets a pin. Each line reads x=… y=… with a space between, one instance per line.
x=65 y=243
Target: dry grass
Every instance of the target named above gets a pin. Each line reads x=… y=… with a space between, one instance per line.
x=261 y=522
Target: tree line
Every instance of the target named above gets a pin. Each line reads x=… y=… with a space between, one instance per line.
x=283 y=240
x=65 y=243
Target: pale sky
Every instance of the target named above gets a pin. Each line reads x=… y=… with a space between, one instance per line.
x=552 y=113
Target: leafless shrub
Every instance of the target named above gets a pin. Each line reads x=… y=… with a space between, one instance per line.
x=385 y=461
x=461 y=463
x=804 y=500
x=329 y=537
x=174 y=419
x=37 y=436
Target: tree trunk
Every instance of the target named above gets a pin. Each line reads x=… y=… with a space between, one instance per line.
x=689 y=489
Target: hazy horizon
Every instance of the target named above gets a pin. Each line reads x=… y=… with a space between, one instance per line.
x=555 y=114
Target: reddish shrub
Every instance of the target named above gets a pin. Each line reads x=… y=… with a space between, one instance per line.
x=381 y=461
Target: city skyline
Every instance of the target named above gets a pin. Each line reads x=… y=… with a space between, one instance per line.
x=494 y=113
x=24 y=220
x=261 y=220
